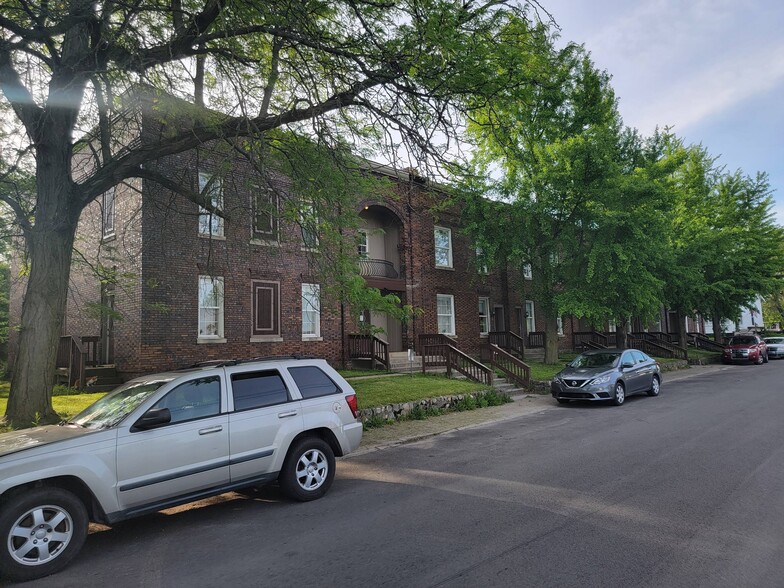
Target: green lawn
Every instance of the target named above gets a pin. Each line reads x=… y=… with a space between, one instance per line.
x=348 y=374
x=66 y=405
x=380 y=391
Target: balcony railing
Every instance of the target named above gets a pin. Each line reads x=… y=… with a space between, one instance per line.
x=378 y=268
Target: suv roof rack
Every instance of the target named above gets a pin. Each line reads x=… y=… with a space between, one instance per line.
x=231 y=362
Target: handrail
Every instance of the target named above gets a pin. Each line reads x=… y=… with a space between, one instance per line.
x=508 y=341
x=445 y=355
x=512 y=367
x=71 y=357
x=657 y=348
x=700 y=341
x=92 y=348
x=369 y=347
x=591 y=339
x=536 y=339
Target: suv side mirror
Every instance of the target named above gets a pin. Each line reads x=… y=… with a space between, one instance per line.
x=155 y=417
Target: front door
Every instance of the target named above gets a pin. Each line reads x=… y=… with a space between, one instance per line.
x=499 y=320
x=196 y=442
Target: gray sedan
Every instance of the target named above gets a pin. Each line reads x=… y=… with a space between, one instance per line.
x=775 y=347
x=607 y=374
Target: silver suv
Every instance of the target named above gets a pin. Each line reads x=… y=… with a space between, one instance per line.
x=167 y=439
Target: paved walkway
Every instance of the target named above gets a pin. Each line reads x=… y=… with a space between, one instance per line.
x=408 y=431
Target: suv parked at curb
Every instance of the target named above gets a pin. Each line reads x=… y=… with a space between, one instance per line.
x=168 y=439
x=746 y=347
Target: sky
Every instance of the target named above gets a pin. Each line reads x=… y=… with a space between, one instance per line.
x=713 y=70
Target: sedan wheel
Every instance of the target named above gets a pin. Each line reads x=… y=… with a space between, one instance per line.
x=655 y=387
x=765 y=359
x=620 y=394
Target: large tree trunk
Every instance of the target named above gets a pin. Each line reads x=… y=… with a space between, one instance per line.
x=551 y=339
x=621 y=339
x=718 y=329
x=49 y=245
x=683 y=338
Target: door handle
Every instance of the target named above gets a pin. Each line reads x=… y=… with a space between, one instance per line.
x=209 y=430
x=284 y=415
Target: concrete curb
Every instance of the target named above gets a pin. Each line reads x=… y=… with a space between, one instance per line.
x=403 y=432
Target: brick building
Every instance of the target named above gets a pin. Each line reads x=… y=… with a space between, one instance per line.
x=159 y=283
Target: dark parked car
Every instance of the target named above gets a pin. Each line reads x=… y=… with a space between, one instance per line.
x=775 y=347
x=607 y=374
x=746 y=348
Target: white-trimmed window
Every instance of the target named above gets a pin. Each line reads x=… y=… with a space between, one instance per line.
x=527 y=272
x=108 y=212
x=308 y=220
x=445 y=308
x=443 y=241
x=612 y=326
x=530 y=319
x=484 y=315
x=265 y=214
x=362 y=243
x=559 y=322
x=481 y=262
x=311 y=311
x=211 y=224
x=210 y=307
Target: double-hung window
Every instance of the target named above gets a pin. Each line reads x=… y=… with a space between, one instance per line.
x=211 y=187
x=362 y=243
x=443 y=242
x=108 y=212
x=265 y=214
x=210 y=307
x=527 y=272
x=308 y=220
x=311 y=311
x=445 y=309
x=481 y=262
x=530 y=319
x=484 y=315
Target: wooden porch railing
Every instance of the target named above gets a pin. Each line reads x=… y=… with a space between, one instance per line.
x=700 y=341
x=657 y=348
x=439 y=351
x=369 y=347
x=514 y=369
x=657 y=336
x=589 y=340
x=71 y=358
x=536 y=339
x=508 y=341
x=92 y=348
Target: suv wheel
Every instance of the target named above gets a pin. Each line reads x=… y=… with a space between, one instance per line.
x=42 y=530
x=765 y=359
x=308 y=470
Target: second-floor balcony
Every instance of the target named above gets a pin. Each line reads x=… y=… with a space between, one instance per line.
x=378 y=268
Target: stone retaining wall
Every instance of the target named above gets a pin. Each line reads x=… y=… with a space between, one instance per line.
x=393 y=412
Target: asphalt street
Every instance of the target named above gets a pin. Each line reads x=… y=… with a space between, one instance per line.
x=680 y=490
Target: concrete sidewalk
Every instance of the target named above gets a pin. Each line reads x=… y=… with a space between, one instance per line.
x=408 y=431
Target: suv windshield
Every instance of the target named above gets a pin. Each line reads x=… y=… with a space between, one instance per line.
x=595 y=360
x=774 y=340
x=743 y=340
x=112 y=408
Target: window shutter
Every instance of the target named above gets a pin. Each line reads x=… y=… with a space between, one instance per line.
x=266 y=308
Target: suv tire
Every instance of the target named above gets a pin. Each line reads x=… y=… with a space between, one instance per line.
x=308 y=470
x=61 y=523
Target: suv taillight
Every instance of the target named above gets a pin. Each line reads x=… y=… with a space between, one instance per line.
x=351 y=400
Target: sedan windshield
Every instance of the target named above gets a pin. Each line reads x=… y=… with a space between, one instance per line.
x=775 y=340
x=115 y=406
x=595 y=360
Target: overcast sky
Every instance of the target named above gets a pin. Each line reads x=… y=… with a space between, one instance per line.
x=711 y=69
